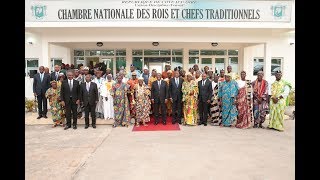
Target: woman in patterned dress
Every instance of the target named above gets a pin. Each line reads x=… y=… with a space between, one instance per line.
x=53 y=94
x=120 y=103
x=228 y=92
x=190 y=98
x=244 y=102
x=142 y=102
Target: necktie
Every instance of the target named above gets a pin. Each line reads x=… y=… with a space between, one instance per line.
x=177 y=82
x=56 y=76
x=202 y=82
x=159 y=84
x=70 y=85
x=41 y=77
x=88 y=87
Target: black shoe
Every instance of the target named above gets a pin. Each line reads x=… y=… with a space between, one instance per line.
x=255 y=126
x=199 y=124
x=39 y=117
x=45 y=116
x=67 y=127
x=205 y=124
x=86 y=127
x=94 y=126
x=164 y=123
x=74 y=127
x=173 y=122
x=180 y=122
x=155 y=123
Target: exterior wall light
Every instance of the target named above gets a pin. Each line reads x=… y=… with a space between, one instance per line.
x=155 y=43
x=99 y=44
x=214 y=44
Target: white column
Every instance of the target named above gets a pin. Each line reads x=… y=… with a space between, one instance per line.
x=267 y=63
x=128 y=59
x=45 y=61
x=185 y=60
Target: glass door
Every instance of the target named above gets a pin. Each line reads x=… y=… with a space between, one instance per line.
x=219 y=63
x=206 y=61
x=109 y=62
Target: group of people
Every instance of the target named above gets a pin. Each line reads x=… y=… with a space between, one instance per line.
x=191 y=98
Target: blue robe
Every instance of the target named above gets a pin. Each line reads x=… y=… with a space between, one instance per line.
x=228 y=91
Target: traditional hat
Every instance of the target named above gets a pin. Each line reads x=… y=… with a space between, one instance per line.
x=145 y=67
x=61 y=74
x=133 y=74
x=169 y=71
x=108 y=69
x=228 y=74
x=188 y=74
x=140 y=78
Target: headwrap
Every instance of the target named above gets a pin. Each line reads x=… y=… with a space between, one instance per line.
x=54 y=81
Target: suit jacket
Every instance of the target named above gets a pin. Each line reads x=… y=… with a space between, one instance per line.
x=159 y=95
x=205 y=91
x=175 y=92
x=65 y=91
x=89 y=97
x=41 y=87
x=53 y=76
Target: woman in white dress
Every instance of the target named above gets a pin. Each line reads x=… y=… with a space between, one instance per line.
x=99 y=107
x=106 y=93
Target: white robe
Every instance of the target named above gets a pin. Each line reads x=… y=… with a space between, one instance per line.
x=99 y=106
x=107 y=105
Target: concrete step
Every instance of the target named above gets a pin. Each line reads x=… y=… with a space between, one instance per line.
x=31 y=119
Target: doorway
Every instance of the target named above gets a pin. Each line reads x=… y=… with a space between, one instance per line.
x=157 y=63
x=92 y=61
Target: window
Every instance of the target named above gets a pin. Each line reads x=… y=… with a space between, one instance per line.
x=233 y=52
x=258 y=64
x=107 y=52
x=55 y=61
x=78 y=53
x=193 y=61
x=233 y=62
x=137 y=52
x=193 y=52
x=120 y=52
x=176 y=52
x=31 y=66
x=219 y=52
x=276 y=65
x=157 y=52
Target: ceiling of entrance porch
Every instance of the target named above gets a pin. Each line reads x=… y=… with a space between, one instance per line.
x=148 y=45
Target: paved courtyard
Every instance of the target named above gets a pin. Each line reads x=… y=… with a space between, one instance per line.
x=204 y=153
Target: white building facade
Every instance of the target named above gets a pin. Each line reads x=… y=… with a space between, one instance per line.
x=248 y=35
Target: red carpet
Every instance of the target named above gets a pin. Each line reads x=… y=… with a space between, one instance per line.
x=160 y=127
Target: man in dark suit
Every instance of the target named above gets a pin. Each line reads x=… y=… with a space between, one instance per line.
x=159 y=97
x=70 y=98
x=89 y=98
x=205 y=92
x=55 y=74
x=175 y=94
x=41 y=83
